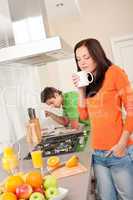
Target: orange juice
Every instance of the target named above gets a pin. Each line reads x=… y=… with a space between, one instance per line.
x=37 y=159
x=9 y=159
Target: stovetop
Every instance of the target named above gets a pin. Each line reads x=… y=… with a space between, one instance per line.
x=60 y=141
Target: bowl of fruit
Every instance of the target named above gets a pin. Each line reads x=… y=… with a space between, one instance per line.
x=31 y=186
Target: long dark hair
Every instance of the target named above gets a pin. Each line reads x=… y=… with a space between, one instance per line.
x=102 y=64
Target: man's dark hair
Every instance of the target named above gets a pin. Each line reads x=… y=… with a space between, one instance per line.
x=48 y=93
x=102 y=63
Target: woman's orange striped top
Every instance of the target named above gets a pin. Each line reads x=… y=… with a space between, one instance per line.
x=105 y=110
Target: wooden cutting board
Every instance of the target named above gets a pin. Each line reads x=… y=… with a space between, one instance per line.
x=65 y=171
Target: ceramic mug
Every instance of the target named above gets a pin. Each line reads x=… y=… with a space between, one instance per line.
x=83 y=78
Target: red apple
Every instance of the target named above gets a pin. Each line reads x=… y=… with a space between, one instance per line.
x=24 y=191
x=39 y=190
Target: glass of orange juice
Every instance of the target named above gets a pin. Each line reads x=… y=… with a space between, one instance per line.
x=9 y=160
x=10 y=156
x=37 y=160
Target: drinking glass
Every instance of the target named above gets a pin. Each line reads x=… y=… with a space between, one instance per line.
x=37 y=160
x=10 y=157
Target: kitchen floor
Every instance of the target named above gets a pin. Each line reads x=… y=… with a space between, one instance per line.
x=91 y=189
x=91 y=195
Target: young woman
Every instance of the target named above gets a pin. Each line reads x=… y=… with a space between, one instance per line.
x=102 y=101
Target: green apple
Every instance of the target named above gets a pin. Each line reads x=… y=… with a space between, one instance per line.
x=50 y=181
x=37 y=196
x=51 y=192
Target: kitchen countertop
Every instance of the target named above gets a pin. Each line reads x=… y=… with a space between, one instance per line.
x=77 y=185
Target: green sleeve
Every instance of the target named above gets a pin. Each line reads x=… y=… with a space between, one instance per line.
x=70 y=105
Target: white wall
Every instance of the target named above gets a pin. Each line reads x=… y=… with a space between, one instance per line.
x=58 y=74
x=49 y=75
x=101 y=19
x=19 y=90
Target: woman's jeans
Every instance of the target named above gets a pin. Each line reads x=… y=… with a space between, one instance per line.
x=114 y=175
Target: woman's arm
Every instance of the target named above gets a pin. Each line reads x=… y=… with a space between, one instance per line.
x=125 y=93
x=81 y=98
x=82 y=107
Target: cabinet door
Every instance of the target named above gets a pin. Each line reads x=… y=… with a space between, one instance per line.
x=122 y=48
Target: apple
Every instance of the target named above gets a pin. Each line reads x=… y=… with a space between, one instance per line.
x=50 y=181
x=21 y=199
x=51 y=192
x=24 y=191
x=37 y=196
x=39 y=190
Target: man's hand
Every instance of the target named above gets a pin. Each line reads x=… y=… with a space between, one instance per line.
x=59 y=119
x=48 y=114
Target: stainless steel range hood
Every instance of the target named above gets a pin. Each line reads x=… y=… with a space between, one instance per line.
x=34 y=50
x=36 y=53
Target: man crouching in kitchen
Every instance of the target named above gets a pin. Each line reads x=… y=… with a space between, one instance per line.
x=68 y=101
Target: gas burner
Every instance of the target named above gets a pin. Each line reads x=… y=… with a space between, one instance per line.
x=61 y=144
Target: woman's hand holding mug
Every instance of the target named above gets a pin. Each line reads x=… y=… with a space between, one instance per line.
x=75 y=79
x=80 y=79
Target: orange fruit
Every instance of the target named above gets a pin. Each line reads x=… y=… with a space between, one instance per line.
x=53 y=161
x=34 y=179
x=12 y=182
x=21 y=175
x=72 y=162
x=8 y=196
